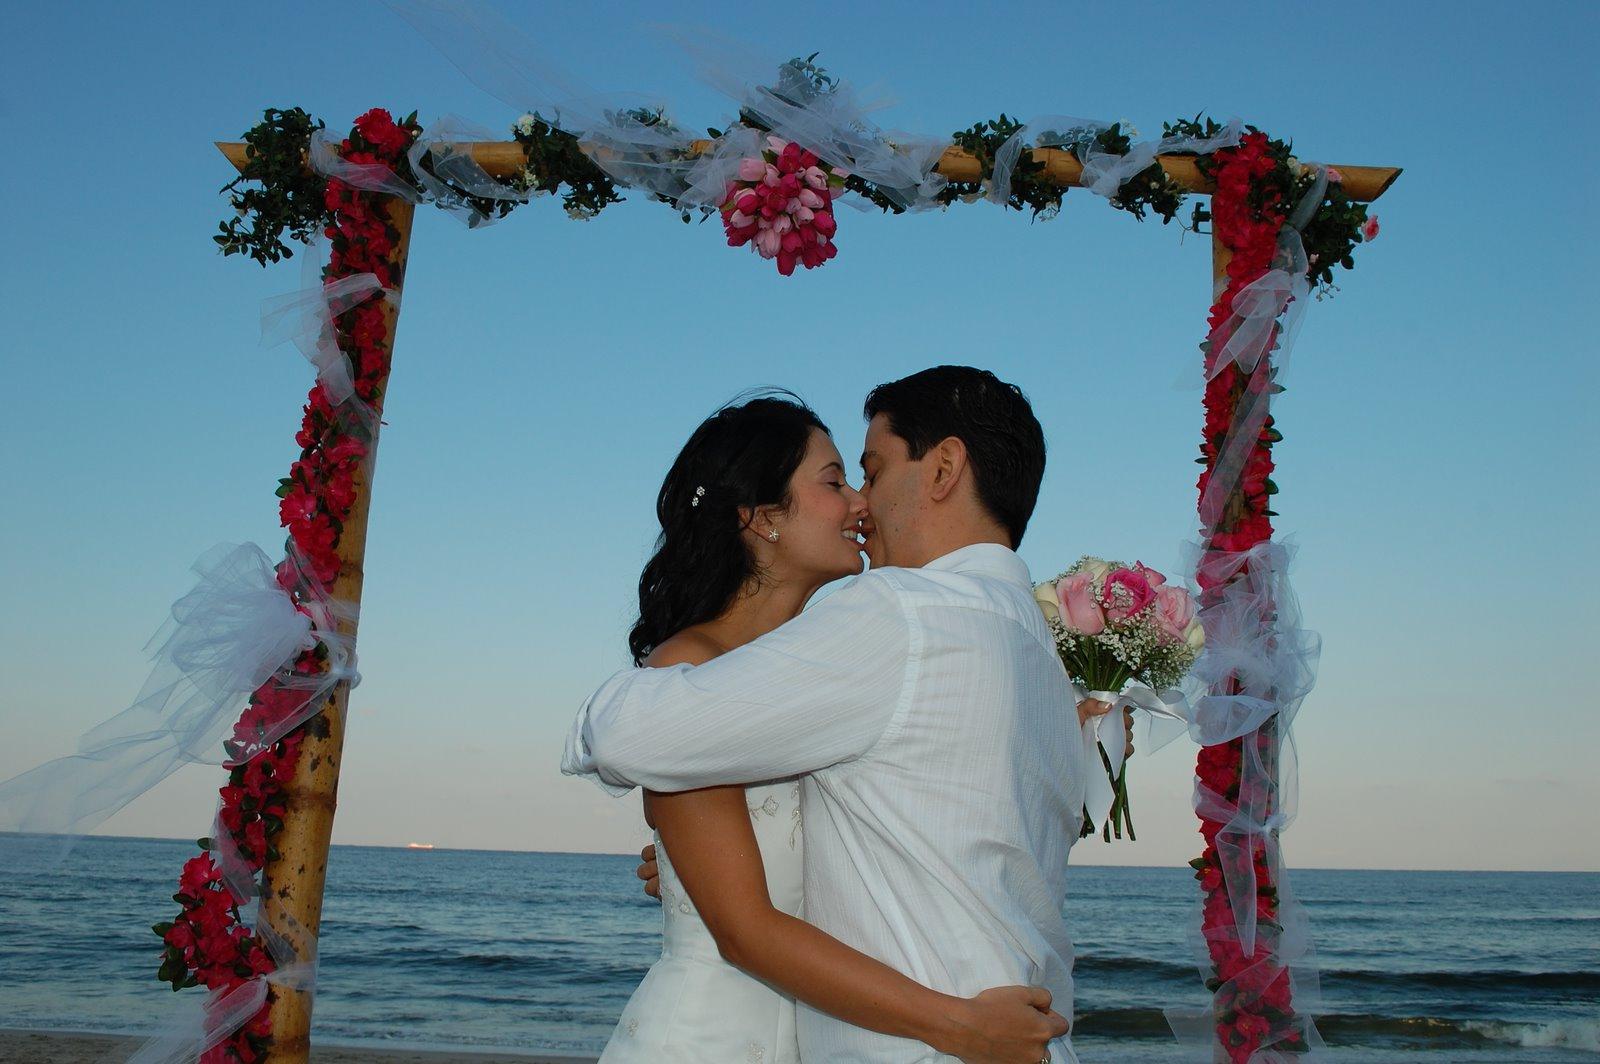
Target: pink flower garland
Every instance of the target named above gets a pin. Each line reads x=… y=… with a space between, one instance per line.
x=782 y=205
x=207 y=944
x=1252 y=1004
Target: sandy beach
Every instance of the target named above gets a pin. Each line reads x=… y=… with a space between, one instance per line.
x=66 y=1047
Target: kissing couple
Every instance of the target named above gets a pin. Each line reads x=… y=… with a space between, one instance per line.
x=862 y=809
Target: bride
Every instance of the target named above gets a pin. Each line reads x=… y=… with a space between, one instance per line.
x=756 y=516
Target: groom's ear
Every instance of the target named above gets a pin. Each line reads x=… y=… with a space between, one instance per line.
x=947 y=462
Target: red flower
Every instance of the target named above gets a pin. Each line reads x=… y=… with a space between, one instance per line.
x=299 y=507
x=198 y=875
x=378 y=127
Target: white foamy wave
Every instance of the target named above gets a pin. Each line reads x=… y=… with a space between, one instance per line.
x=1567 y=1034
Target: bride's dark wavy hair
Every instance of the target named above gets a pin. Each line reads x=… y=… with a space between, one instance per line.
x=743 y=456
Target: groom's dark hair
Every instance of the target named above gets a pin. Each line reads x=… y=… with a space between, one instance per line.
x=1004 y=442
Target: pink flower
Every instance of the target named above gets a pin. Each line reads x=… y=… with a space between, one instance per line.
x=1174 y=611
x=767 y=242
x=1369 y=228
x=1126 y=593
x=1334 y=175
x=816 y=177
x=1079 y=612
x=809 y=198
x=752 y=169
x=1153 y=578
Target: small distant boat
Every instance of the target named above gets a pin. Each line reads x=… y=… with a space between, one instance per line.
x=419 y=845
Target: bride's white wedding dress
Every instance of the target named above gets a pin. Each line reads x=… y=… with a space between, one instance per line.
x=693 y=1006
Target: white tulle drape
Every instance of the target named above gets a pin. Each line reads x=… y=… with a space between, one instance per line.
x=306 y=317
x=234 y=630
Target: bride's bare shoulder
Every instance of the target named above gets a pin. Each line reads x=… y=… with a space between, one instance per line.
x=687 y=647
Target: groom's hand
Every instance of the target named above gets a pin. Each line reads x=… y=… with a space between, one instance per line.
x=649 y=871
x=1007 y=1025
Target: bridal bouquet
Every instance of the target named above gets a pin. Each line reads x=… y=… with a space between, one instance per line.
x=1126 y=637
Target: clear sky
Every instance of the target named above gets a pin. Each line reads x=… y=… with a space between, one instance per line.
x=1437 y=470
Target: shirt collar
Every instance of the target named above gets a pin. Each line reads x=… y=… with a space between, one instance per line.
x=989 y=559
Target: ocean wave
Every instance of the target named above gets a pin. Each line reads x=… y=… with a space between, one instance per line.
x=1497 y=980
x=1440 y=1033
x=1567 y=1034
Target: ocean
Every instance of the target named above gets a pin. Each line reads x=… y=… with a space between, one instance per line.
x=539 y=951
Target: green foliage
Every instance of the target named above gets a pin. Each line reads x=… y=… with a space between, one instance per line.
x=290 y=197
x=1029 y=187
x=555 y=162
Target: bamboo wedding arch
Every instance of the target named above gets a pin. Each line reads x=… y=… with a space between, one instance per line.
x=293 y=882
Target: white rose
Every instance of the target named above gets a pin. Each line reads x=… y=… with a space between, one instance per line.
x=1195 y=636
x=1045 y=596
x=1095 y=567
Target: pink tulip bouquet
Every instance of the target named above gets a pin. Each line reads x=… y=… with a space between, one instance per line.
x=781 y=204
x=1126 y=637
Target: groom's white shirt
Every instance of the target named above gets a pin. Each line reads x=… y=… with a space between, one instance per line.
x=945 y=781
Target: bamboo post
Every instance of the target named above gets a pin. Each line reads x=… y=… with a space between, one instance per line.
x=292 y=885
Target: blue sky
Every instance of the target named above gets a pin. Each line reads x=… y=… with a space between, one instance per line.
x=1436 y=471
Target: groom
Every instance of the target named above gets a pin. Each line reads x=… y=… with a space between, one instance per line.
x=926 y=705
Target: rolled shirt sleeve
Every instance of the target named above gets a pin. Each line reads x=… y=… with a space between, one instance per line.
x=817 y=691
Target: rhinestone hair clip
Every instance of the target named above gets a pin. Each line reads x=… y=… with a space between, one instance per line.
x=699 y=493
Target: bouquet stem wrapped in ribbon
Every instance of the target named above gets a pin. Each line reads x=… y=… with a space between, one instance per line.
x=1126 y=637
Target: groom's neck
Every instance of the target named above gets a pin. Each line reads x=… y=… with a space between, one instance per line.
x=937 y=539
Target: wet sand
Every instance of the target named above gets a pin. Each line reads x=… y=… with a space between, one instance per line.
x=62 y=1047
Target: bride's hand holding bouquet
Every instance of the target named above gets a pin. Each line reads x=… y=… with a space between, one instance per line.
x=1126 y=637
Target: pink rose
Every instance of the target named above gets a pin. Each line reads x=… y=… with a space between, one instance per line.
x=816 y=177
x=1079 y=612
x=1334 y=175
x=1153 y=578
x=1126 y=593
x=767 y=242
x=1174 y=611
x=1369 y=228
x=752 y=169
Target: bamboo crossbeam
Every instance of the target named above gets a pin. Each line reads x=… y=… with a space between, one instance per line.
x=505 y=158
